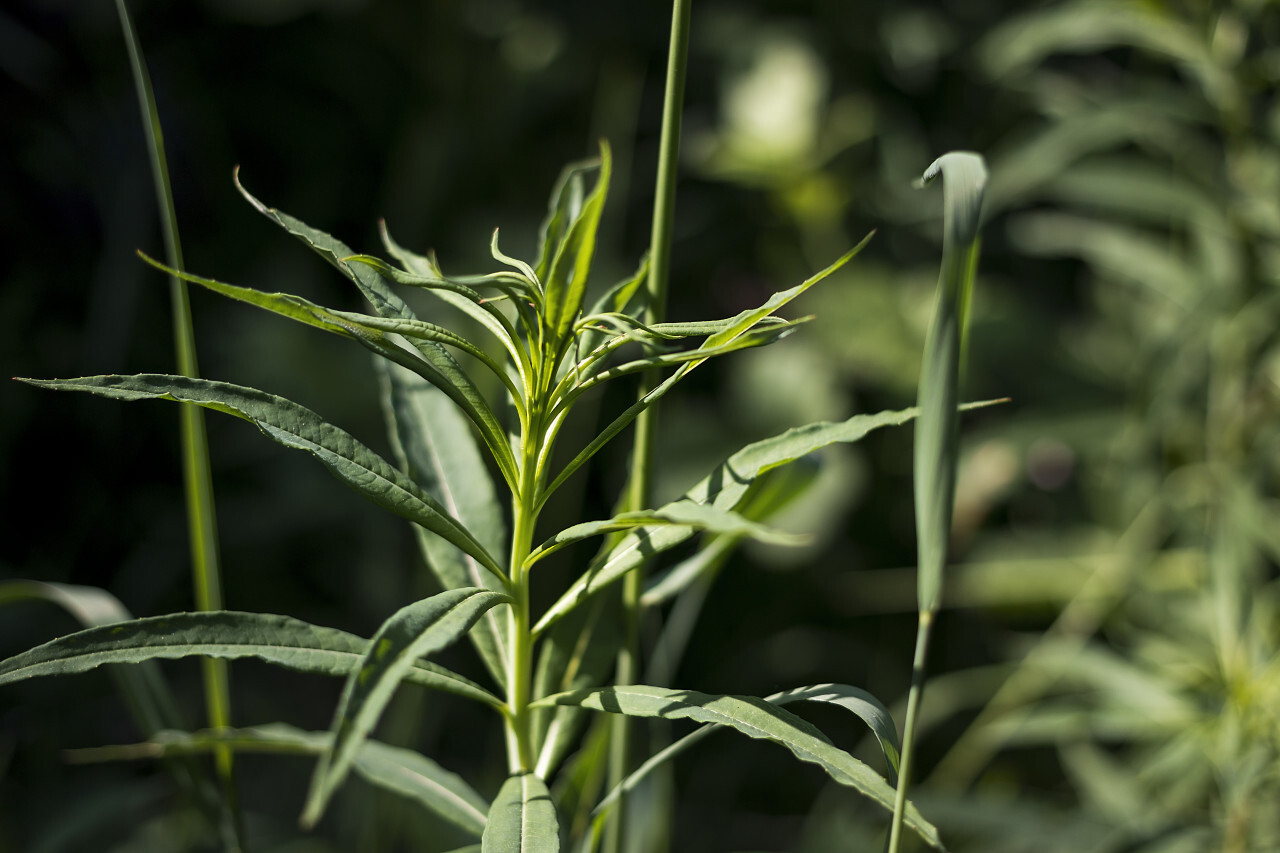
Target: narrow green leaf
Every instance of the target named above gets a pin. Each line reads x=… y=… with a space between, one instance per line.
x=437 y=450
x=412 y=632
x=739 y=325
x=854 y=699
x=348 y=324
x=278 y=640
x=937 y=433
x=522 y=819
x=562 y=210
x=755 y=718
x=295 y=426
x=725 y=487
x=694 y=516
x=384 y=300
x=566 y=282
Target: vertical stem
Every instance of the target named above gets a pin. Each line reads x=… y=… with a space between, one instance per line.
x=640 y=483
x=923 y=630
x=196 y=475
x=520 y=756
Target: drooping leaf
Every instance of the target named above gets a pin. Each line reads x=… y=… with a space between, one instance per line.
x=414 y=631
x=279 y=640
x=854 y=699
x=385 y=301
x=405 y=772
x=522 y=818
x=295 y=426
x=348 y=324
x=436 y=449
x=755 y=718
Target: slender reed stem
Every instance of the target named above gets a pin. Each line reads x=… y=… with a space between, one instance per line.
x=197 y=478
x=640 y=483
x=923 y=630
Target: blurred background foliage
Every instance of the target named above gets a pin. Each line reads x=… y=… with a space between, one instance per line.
x=1108 y=665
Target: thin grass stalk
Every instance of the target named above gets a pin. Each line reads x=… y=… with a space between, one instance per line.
x=197 y=478
x=937 y=429
x=640 y=483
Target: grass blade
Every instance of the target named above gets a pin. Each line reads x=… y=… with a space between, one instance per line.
x=937 y=432
x=295 y=426
x=413 y=632
x=522 y=819
x=197 y=477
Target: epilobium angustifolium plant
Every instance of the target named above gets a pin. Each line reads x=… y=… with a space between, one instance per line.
x=473 y=471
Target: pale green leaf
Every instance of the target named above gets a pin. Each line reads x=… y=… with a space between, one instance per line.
x=279 y=640
x=295 y=426
x=694 y=516
x=522 y=818
x=566 y=282
x=937 y=433
x=755 y=718
x=563 y=209
x=414 y=631
x=436 y=449
x=739 y=325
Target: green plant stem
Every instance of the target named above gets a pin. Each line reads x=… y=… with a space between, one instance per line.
x=923 y=630
x=197 y=478
x=640 y=482
x=520 y=757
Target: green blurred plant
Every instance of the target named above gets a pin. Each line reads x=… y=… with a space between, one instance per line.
x=1156 y=163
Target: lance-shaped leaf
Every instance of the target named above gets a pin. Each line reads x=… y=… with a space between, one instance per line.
x=724 y=488
x=522 y=818
x=565 y=285
x=755 y=718
x=563 y=209
x=739 y=325
x=384 y=300
x=278 y=640
x=436 y=449
x=685 y=514
x=937 y=433
x=404 y=772
x=294 y=426
x=348 y=324
x=412 y=632
x=870 y=709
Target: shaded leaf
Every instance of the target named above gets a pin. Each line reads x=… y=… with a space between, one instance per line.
x=437 y=450
x=412 y=632
x=279 y=640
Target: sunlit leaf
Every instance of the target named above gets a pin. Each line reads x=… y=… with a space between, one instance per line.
x=522 y=818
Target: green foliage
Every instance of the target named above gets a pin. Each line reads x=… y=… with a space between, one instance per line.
x=445 y=434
